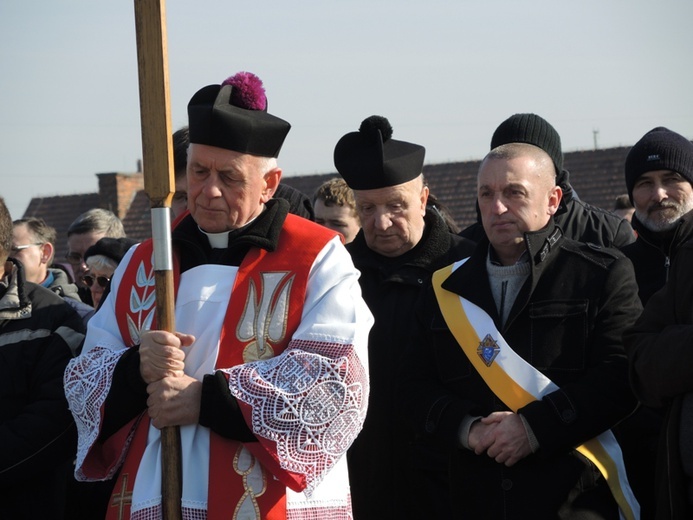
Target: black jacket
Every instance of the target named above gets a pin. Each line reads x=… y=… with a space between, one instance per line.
x=653 y=252
x=586 y=223
x=567 y=321
x=391 y=287
x=38 y=331
x=660 y=353
x=652 y=255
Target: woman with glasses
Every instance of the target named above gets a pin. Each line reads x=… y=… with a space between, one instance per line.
x=102 y=259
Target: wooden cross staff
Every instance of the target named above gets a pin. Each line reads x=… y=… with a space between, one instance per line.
x=157 y=157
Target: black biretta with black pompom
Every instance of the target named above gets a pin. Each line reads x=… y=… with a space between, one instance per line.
x=370 y=159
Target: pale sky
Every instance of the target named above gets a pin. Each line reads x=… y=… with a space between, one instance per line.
x=445 y=73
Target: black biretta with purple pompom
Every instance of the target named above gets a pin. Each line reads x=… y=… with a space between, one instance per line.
x=370 y=159
x=234 y=116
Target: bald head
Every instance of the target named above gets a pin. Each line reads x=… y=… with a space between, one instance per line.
x=543 y=164
x=517 y=193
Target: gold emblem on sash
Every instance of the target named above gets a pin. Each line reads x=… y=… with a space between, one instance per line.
x=488 y=349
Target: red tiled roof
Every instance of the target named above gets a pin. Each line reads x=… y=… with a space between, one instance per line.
x=596 y=176
x=59 y=212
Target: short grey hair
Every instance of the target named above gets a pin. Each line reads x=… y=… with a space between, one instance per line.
x=97 y=220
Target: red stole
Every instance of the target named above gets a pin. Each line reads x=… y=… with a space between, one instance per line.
x=298 y=245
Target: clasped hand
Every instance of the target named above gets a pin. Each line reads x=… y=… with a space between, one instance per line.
x=502 y=436
x=174 y=397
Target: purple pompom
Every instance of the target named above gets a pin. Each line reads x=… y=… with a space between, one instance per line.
x=370 y=126
x=248 y=91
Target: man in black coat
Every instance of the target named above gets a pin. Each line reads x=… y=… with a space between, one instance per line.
x=659 y=178
x=661 y=364
x=38 y=334
x=519 y=358
x=398 y=248
x=577 y=219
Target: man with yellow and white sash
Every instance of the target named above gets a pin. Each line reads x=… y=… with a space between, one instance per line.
x=519 y=358
x=267 y=374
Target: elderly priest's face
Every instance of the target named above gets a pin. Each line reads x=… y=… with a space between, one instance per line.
x=392 y=218
x=227 y=189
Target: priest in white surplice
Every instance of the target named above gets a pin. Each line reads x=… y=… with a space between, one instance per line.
x=267 y=376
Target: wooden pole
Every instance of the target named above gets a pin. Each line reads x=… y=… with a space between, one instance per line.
x=157 y=157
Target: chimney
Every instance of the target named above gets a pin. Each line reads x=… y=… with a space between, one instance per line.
x=118 y=190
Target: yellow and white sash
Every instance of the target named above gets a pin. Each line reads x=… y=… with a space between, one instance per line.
x=517 y=383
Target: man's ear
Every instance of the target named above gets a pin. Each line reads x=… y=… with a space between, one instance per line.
x=47 y=251
x=272 y=179
x=555 y=196
x=424 y=198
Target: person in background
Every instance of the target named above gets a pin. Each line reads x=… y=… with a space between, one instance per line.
x=33 y=244
x=39 y=332
x=659 y=179
x=181 y=141
x=578 y=220
x=102 y=259
x=517 y=359
x=335 y=208
x=83 y=233
x=85 y=500
x=266 y=375
x=661 y=366
x=401 y=243
x=299 y=202
x=623 y=207
x=434 y=204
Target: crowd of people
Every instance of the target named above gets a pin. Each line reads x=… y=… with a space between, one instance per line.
x=353 y=354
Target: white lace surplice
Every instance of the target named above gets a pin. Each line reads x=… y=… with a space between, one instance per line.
x=310 y=400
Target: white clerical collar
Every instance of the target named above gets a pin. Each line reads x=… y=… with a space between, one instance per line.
x=217 y=240
x=221 y=240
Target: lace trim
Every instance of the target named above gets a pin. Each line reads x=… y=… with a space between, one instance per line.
x=87 y=381
x=155 y=513
x=321 y=513
x=310 y=400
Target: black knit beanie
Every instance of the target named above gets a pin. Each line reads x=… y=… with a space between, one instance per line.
x=530 y=129
x=659 y=149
